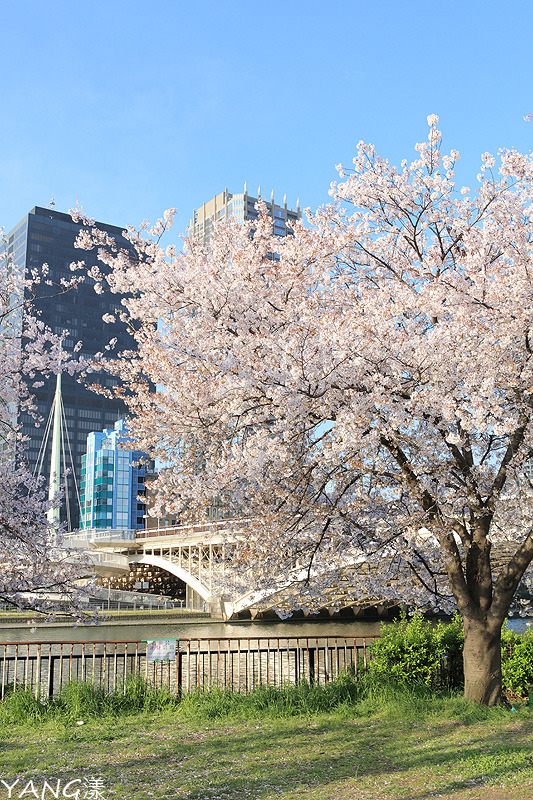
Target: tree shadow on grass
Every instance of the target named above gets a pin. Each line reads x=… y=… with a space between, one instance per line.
x=482 y=762
x=4 y=745
x=252 y=764
x=233 y=760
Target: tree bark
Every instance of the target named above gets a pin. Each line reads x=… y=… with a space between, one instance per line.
x=482 y=662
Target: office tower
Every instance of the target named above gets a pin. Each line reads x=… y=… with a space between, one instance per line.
x=241 y=207
x=111 y=481
x=46 y=236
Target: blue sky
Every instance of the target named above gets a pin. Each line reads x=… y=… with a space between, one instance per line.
x=134 y=107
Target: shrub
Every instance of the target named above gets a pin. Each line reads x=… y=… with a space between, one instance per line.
x=517 y=661
x=411 y=651
x=451 y=639
x=417 y=651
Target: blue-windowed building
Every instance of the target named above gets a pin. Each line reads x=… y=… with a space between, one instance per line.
x=112 y=479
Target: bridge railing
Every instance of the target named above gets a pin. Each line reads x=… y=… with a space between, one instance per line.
x=193 y=529
x=102 y=535
x=240 y=664
x=110 y=559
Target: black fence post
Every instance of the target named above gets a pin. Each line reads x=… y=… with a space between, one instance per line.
x=51 y=667
x=179 y=672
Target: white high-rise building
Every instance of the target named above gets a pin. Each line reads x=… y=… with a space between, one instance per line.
x=241 y=207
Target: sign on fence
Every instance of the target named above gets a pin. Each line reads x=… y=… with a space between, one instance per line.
x=161 y=650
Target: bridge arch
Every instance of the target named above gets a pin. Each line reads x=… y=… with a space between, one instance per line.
x=174 y=569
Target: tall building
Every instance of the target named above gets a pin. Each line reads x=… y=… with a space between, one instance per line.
x=111 y=481
x=46 y=236
x=241 y=207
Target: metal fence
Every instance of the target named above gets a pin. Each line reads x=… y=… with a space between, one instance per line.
x=240 y=664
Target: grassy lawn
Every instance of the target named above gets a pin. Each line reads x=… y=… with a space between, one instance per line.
x=377 y=748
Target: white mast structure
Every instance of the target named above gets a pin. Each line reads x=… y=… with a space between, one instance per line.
x=54 y=485
x=58 y=424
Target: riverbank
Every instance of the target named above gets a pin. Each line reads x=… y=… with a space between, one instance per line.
x=12 y=620
x=383 y=747
x=142 y=625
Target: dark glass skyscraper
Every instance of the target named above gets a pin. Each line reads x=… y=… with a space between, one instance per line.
x=47 y=237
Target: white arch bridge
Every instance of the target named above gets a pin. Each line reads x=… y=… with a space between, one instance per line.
x=194 y=554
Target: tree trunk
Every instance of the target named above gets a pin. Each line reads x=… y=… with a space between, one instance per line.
x=482 y=660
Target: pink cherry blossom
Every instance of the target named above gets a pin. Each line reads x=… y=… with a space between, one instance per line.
x=36 y=571
x=361 y=391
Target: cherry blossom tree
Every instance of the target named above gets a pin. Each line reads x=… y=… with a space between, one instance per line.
x=36 y=572
x=362 y=390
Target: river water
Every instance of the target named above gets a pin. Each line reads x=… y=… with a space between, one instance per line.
x=188 y=628
x=192 y=628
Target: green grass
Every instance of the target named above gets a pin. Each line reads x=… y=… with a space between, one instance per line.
x=369 y=742
x=85 y=701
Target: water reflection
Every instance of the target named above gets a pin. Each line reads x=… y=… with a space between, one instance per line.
x=133 y=630
x=192 y=628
